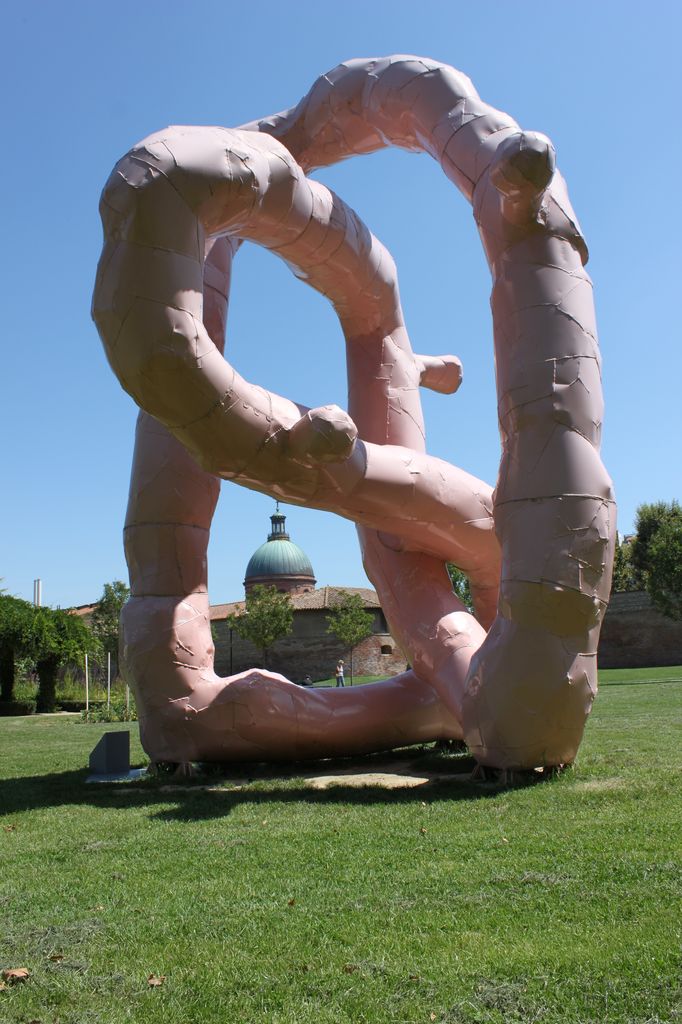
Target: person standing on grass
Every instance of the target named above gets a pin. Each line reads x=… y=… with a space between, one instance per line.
x=339 y=673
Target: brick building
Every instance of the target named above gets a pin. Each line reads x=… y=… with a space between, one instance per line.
x=633 y=634
x=309 y=650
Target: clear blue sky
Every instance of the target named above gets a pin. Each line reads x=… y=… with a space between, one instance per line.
x=81 y=82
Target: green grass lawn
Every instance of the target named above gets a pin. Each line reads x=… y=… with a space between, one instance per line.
x=558 y=903
x=357 y=680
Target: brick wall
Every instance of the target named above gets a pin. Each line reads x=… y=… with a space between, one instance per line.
x=635 y=635
x=310 y=650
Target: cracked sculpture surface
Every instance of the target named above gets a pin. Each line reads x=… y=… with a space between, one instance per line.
x=516 y=681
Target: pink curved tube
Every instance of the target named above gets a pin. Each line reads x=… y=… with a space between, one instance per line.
x=188 y=713
x=160 y=310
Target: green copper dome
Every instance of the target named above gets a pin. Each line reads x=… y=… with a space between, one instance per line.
x=278 y=558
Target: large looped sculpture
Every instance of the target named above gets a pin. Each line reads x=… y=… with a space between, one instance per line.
x=538 y=552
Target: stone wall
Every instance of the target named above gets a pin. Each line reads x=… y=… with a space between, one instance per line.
x=309 y=650
x=635 y=635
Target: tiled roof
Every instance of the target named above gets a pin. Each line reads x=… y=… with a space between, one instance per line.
x=320 y=599
x=323 y=598
x=82 y=609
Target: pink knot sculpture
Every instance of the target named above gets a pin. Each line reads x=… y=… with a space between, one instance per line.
x=518 y=680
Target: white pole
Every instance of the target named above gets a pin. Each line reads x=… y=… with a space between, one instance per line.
x=87 y=688
x=127 y=699
x=108 y=679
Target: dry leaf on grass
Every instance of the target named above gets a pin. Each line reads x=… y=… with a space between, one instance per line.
x=56 y=958
x=432 y=1016
x=291 y=901
x=14 y=974
x=423 y=830
x=155 y=980
x=350 y=968
x=9 y=828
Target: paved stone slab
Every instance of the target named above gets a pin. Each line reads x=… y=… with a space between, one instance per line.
x=131 y=775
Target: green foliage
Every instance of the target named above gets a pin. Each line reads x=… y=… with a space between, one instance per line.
x=61 y=635
x=107 y=614
x=70 y=686
x=267 y=617
x=16 y=625
x=16 y=617
x=460 y=585
x=58 y=637
x=624 y=576
x=350 y=623
x=657 y=555
x=664 y=582
x=648 y=519
x=44 y=637
x=115 y=712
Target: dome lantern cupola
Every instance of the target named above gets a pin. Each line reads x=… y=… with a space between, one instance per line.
x=278 y=532
x=279 y=562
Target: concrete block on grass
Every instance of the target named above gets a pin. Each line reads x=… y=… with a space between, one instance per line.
x=111 y=756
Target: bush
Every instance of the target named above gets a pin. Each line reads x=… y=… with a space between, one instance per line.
x=25 y=689
x=76 y=705
x=9 y=708
x=116 y=712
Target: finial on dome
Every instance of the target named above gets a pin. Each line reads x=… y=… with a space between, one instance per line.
x=278 y=532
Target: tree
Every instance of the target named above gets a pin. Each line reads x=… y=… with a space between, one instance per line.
x=657 y=555
x=57 y=637
x=624 y=577
x=460 y=585
x=647 y=521
x=664 y=583
x=106 y=617
x=47 y=636
x=267 y=617
x=16 y=619
x=350 y=623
